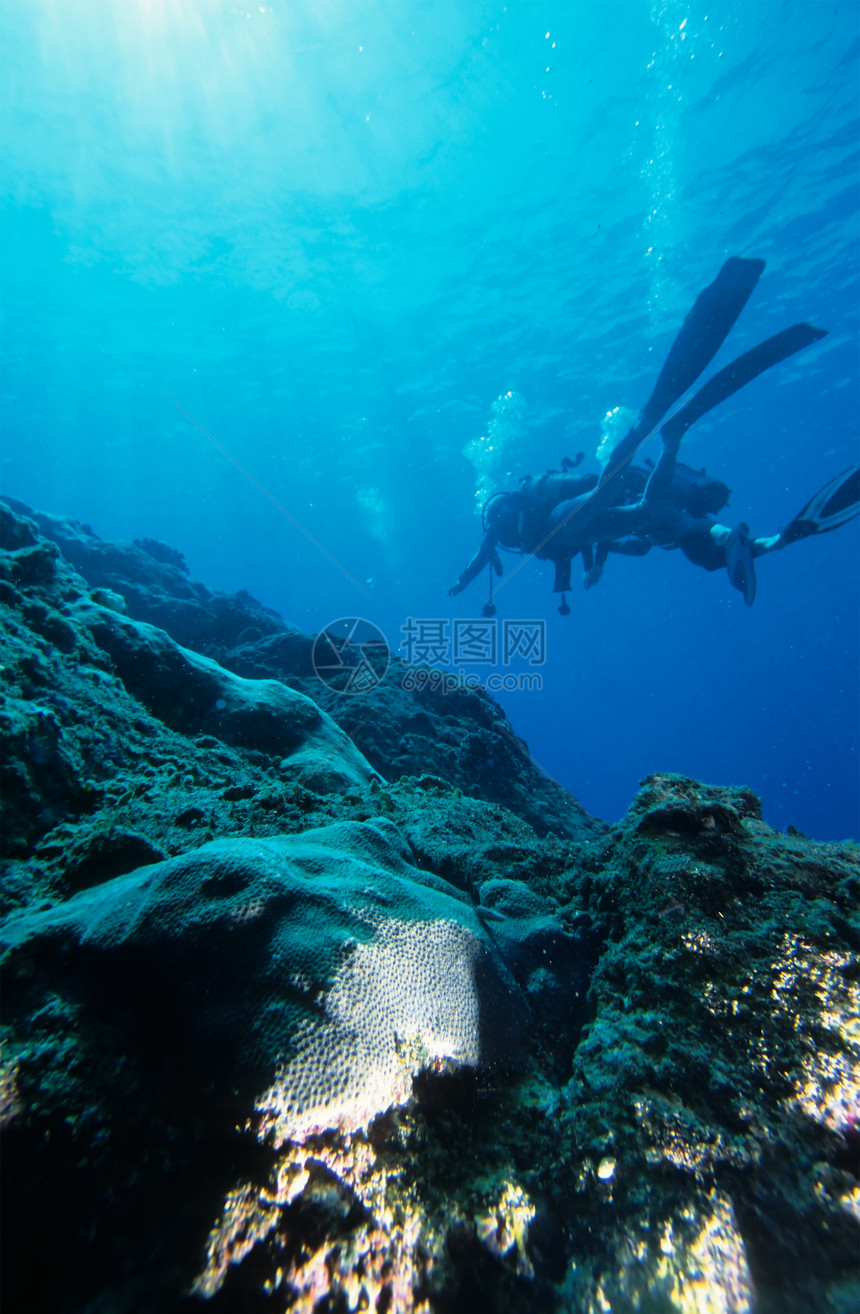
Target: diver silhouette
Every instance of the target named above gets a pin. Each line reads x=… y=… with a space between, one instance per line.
x=629 y=510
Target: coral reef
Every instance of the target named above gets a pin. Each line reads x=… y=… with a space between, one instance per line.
x=461 y=735
x=282 y=1031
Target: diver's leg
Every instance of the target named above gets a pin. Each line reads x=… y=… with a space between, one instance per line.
x=618 y=522
x=734 y=376
x=761 y=546
x=706 y=548
x=661 y=476
x=728 y=381
x=703 y=332
x=835 y=504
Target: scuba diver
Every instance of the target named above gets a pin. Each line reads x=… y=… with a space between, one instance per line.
x=715 y=546
x=625 y=509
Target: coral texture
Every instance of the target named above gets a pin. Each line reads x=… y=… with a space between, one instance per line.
x=324 y=967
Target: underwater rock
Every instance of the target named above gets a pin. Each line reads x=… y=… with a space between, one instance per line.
x=713 y=1110
x=153 y=579
x=549 y=964
x=621 y=1072
x=194 y=695
x=299 y=982
x=170 y=556
x=463 y=736
x=405 y=726
x=83 y=754
x=348 y=969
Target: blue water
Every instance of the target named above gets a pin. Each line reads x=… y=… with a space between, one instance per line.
x=338 y=233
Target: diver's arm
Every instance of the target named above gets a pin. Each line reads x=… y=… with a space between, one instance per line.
x=486 y=555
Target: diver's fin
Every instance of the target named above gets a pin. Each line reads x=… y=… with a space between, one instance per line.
x=703 y=332
x=833 y=505
x=740 y=372
x=740 y=564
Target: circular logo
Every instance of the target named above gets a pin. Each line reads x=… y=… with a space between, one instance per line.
x=351 y=655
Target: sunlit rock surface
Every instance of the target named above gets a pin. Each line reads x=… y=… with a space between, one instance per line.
x=279 y=1037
